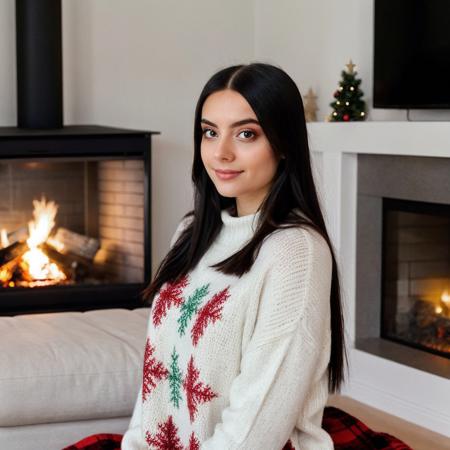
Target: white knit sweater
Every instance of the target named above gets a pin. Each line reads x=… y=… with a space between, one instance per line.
x=239 y=363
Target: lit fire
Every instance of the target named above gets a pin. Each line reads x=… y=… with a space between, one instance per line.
x=34 y=263
x=39 y=266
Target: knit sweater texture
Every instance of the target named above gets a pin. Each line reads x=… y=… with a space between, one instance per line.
x=239 y=363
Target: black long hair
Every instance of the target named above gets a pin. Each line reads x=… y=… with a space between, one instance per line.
x=277 y=103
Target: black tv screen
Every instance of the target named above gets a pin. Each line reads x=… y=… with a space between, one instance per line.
x=412 y=54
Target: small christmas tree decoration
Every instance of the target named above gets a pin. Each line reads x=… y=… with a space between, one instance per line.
x=348 y=105
x=310 y=106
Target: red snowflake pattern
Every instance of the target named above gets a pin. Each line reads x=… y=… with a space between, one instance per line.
x=196 y=391
x=194 y=444
x=166 y=438
x=209 y=313
x=288 y=446
x=153 y=371
x=169 y=296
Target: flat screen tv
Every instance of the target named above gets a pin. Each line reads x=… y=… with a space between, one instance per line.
x=412 y=54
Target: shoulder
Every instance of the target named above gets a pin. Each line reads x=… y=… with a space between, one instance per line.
x=182 y=225
x=298 y=244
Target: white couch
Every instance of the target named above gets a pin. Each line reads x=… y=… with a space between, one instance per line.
x=64 y=376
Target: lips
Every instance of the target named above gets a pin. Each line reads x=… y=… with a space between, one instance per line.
x=227 y=174
x=228 y=171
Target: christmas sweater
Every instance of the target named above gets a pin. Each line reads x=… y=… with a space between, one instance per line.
x=239 y=362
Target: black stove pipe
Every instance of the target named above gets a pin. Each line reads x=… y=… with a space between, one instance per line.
x=39 y=64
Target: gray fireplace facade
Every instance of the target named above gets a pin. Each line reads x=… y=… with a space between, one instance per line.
x=418 y=179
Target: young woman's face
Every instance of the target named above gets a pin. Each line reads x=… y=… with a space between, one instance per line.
x=234 y=141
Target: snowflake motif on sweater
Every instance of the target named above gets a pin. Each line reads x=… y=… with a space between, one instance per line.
x=167 y=438
x=153 y=371
x=209 y=313
x=175 y=380
x=169 y=296
x=189 y=308
x=196 y=391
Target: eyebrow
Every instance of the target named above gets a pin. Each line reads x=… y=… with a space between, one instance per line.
x=235 y=124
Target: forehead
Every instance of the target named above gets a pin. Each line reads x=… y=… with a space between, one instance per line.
x=227 y=106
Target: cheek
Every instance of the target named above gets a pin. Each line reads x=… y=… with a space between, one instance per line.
x=204 y=155
x=263 y=165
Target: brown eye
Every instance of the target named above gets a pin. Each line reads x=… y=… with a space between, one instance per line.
x=247 y=134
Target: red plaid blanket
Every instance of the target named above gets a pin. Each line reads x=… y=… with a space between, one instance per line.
x=347 y=432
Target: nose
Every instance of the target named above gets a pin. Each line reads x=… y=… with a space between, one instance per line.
x=224 y=150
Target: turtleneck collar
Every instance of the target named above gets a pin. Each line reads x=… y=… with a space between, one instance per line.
x=237 y=230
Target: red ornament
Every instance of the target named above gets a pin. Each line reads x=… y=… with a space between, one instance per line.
x=336 y=94
x=346 y=117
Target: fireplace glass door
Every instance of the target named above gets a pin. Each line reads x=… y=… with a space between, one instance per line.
x=416 y=274
x=71 y=223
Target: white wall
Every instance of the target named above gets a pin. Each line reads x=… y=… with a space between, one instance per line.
x=313 y=40
x=8 y=110
x=142 y=64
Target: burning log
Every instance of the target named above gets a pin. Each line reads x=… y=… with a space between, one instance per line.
x=74 y=266
x=11 y=252
x=7 y=272
x=66 y=241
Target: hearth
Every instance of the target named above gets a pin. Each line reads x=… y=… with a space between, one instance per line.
x=74 y=218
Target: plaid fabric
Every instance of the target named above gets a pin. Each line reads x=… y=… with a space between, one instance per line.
x=347 y=432
x=350 y=433
x=98 y=442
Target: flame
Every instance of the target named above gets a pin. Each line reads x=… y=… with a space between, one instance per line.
x=39 y=265
x=44 y=220
x=445 y=297
x=5 y=275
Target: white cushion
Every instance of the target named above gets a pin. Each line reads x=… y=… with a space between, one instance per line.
x=70 y=366
x=55 y=436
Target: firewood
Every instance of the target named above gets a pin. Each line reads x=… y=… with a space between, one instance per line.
x=75 y=243
x=74 y=266
x=19 y=235
x=7 y=271
x=12 y=251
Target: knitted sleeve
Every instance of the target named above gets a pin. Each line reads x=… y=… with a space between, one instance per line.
x=287 y=355
x=132 y=439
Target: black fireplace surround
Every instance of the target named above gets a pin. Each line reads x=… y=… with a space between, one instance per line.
x=84 y=147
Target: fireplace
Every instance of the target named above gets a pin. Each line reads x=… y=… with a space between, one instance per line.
x=74 y=218
x=403 y=260
x=416 y=275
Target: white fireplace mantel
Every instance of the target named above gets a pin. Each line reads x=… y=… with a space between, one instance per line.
x=409 y=393
x=393 y=138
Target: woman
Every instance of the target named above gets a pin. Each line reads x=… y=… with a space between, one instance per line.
x=245 y=336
